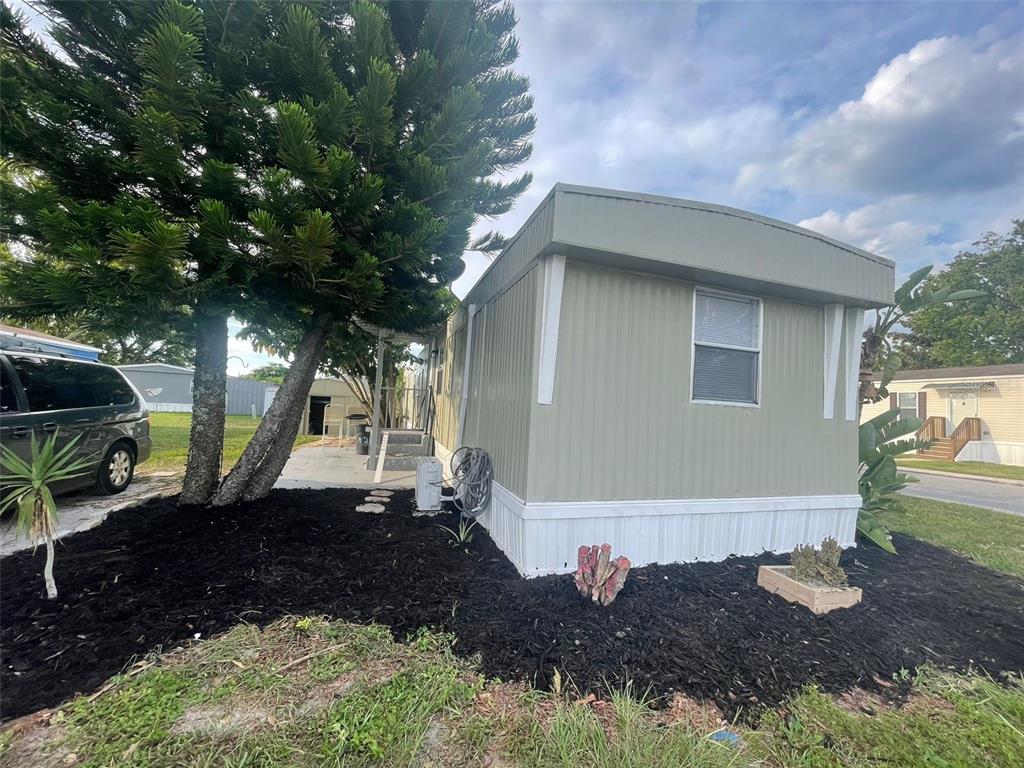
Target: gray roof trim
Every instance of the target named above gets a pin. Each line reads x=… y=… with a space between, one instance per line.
x=963 y=372
x=548 y=198
x=739 y=213
x=672 y=202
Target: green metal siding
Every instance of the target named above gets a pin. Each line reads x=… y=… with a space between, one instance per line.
x=622 y=425
x=501 y=383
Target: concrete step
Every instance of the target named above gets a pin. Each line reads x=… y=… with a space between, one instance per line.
x=395 y=463
x=408 y=450
x=405 y=436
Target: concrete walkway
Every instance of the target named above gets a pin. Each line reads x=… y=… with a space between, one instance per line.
x=332 y=467
x=1002 y=497
x=83 y=510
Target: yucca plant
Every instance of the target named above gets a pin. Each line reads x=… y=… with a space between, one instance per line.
x=27 y=486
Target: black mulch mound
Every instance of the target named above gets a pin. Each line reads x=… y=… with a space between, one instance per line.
x=154 y=576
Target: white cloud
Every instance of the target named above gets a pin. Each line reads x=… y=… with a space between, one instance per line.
x=879 y=228
x=944 y=117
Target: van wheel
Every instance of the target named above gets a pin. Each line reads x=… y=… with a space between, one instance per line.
x=116 y=469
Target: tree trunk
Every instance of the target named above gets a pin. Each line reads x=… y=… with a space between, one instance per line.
x=209 y=393
x=267 y=451
x=275 y=459
x=51 y=585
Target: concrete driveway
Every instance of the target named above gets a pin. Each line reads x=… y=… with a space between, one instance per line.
x=337 y=467
x=1000 y=496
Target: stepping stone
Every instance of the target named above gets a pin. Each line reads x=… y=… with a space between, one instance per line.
x=381 y=492
x=376 y=499
x=375 y=509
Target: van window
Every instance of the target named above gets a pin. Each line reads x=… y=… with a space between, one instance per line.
x=8 y=397
x=53 y=385
x=108 y=385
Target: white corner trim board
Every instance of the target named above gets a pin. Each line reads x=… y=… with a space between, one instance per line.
x=833 y=314
x=543 y=537
x=854 y=331
x=460 y=428
x=551 y=312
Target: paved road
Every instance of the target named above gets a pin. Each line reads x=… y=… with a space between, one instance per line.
x=979 y=493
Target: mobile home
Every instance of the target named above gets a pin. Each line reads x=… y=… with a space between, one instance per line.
x=675 y=378
x=973 y=413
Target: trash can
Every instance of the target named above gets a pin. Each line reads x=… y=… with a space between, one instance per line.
x=362 y=431
x=363 y=440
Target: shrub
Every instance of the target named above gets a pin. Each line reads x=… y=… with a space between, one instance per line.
x=811 y=565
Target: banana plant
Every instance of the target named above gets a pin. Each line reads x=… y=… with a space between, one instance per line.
x=878 y=359
x=27 y=486
x=881 y=440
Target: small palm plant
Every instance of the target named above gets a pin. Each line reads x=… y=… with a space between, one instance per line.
x=27 y=485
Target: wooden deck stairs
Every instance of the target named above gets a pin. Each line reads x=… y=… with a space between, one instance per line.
x=947 y=448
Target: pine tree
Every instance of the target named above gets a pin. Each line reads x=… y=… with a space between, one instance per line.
x=297 y=164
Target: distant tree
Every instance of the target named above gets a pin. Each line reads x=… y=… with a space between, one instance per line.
x=273 y=373
x=986 y=331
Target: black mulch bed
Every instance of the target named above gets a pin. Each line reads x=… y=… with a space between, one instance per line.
x=154 y=576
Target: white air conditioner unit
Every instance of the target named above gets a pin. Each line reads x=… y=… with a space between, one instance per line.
x=428 y=485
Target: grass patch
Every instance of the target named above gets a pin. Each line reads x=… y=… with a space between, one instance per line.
x=170 y=440
x=947 y=721
x=983 y=468
x=995 y=539
x=255 y=697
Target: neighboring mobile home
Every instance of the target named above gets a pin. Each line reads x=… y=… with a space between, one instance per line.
x=971 y=414
x=330 y=401
x=168 y=387
x=675 y=378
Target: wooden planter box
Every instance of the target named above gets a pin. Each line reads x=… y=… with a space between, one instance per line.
x=776 y=578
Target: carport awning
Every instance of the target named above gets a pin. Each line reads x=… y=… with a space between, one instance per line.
x=963 y=386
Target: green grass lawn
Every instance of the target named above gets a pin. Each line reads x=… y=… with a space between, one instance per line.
x=310 y=692
x=982 y=468
x=170 y=440
x=995 y=539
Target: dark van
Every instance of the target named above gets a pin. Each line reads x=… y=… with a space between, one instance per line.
x=43 y=394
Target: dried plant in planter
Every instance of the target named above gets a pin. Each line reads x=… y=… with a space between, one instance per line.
x=598 y=576
x=812 y=565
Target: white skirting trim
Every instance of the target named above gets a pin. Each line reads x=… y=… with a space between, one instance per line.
x=170 y=407
x=994 y=452
x=543 y=537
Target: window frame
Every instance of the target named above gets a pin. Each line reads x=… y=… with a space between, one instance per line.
x=759 y=351
x=900 y=408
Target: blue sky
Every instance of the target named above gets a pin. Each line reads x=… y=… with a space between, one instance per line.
x=897 y=127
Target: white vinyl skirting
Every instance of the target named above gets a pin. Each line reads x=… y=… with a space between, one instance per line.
x=993 y=452
x=543 y=537
x=170 y=407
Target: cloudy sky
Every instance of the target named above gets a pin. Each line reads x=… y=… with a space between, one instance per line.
x=898 y=127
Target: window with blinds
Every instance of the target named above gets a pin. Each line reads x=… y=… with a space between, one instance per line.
x=727 y=348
